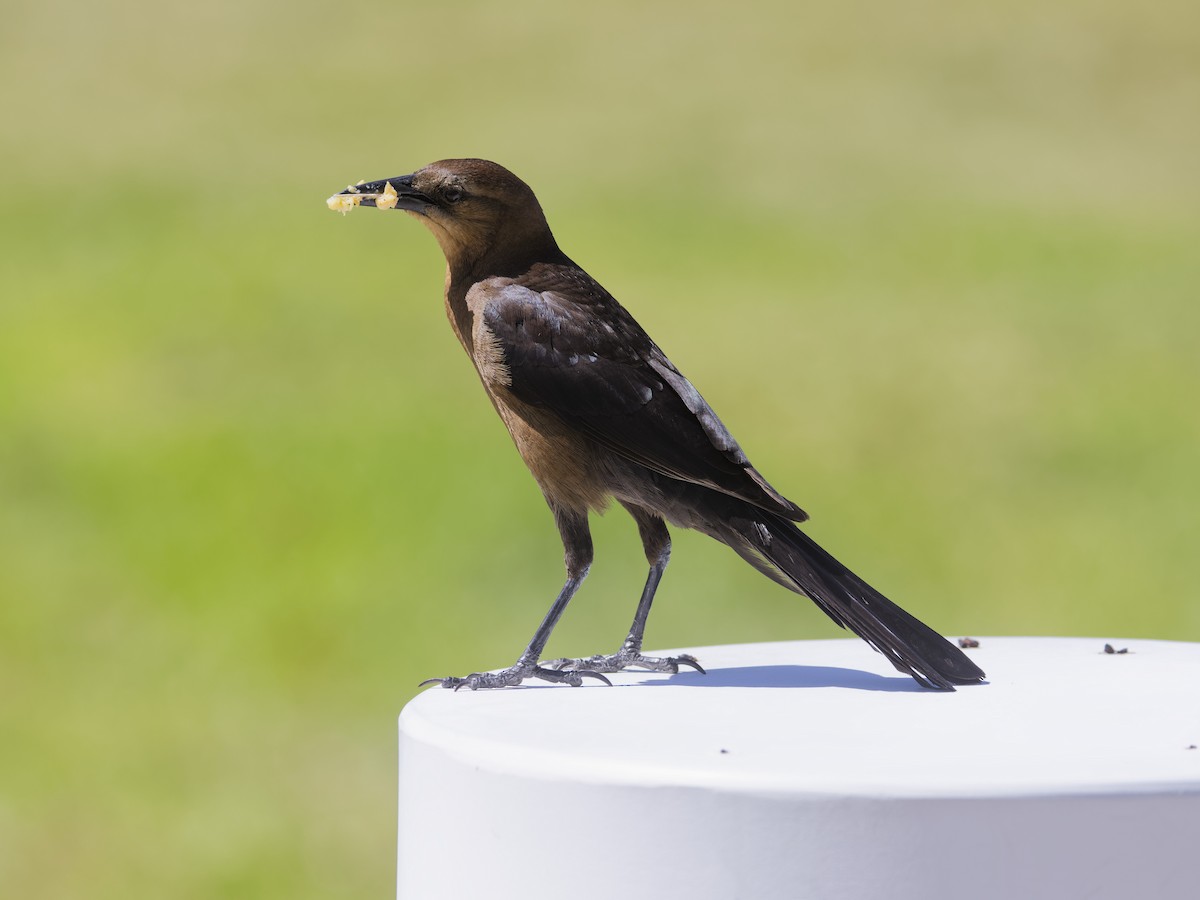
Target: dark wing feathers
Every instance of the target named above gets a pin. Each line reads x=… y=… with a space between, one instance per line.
x=585 y=359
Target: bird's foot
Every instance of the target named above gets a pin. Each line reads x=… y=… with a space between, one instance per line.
x=515 y=675
x=626 y=658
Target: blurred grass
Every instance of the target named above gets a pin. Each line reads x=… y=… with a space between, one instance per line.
x=935 y=264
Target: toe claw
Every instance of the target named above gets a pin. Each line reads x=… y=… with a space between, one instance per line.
x=566 y=671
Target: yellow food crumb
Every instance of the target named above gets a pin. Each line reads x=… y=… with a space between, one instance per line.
x=387 y=200
x=342 y=203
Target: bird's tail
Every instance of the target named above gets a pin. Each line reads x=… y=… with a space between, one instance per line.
x=781 y=551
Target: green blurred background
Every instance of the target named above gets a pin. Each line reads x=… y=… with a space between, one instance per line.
x=935 y=264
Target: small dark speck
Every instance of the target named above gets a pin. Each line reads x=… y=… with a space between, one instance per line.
x=1108 y=648
x=968 y=643
x=1189 y=747
x=724 y=751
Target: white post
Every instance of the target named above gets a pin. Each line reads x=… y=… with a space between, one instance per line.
x=811 y=769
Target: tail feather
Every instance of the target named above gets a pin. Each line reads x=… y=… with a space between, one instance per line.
x=784 y=553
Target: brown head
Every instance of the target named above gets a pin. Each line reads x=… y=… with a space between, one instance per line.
x=486 y=219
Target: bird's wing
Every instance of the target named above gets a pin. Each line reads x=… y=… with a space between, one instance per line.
x=586 y=360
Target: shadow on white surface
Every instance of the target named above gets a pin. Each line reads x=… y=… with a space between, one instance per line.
x=787 y=676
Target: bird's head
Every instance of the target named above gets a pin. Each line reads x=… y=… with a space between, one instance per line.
x=481 y=214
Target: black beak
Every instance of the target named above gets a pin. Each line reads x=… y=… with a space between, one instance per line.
x=381 y=193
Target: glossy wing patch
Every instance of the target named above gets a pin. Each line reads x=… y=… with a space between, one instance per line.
x=602 y=375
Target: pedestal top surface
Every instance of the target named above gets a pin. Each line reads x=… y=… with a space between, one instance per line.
x=1057 y=716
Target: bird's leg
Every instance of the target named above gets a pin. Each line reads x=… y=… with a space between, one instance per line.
x=577 y=543
x=656 y=541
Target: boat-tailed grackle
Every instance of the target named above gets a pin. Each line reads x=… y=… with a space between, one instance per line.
x=597 y=411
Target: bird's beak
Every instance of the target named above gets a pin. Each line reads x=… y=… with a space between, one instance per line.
x=388 y=193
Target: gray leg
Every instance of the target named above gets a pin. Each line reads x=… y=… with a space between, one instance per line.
x=577 y=543
x=656 y=541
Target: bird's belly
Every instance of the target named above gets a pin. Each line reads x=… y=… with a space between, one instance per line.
x=568 y=467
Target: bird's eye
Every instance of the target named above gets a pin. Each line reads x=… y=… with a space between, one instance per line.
x=452 y=194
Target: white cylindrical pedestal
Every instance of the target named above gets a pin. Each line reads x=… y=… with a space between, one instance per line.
x=812 y=769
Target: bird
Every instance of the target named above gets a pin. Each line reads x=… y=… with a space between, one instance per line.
x=598 y=412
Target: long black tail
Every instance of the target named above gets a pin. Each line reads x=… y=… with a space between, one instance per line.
x=783 y=552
